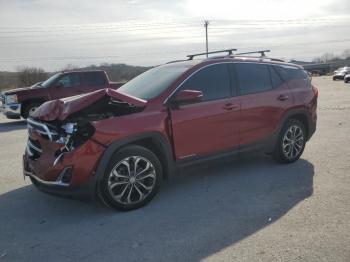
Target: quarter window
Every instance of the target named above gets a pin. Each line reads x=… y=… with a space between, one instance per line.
x=289 y=73
x=253 y=78
x=213 y=81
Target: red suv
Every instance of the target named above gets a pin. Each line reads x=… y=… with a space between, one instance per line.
x=120 y=144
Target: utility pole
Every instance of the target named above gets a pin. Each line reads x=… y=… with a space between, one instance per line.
x=206 y=23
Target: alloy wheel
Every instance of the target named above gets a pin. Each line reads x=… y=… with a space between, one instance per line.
x=293 y=142
x=131 y=180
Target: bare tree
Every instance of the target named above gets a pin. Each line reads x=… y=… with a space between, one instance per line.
x=325 y=58
x=28 y=76
x=346 y=54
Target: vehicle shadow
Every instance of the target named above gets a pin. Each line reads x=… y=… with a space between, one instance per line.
x=12 y=126
x=198 y=213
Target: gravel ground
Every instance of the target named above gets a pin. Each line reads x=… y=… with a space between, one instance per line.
x=248 y=209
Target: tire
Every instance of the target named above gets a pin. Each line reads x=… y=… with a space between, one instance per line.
x=346 y=81
x=291 y=142
x=125 y=190
x=29 y=109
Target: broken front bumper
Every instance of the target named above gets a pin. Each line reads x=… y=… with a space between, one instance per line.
x=59 y=173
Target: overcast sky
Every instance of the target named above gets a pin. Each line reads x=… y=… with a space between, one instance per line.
x=52 y=34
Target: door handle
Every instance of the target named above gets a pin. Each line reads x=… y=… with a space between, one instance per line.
x=229 y=106
x=283 y=97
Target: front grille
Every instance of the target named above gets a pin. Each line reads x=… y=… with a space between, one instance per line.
x=33 y=148
x=47 y=131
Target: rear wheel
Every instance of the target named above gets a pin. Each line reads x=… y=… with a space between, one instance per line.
x=291 y=142
x=132 y=179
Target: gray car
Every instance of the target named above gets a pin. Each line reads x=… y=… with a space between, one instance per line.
x=347 y=78
x=341 y=73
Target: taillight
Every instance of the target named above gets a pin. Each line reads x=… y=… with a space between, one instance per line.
x=314 y=88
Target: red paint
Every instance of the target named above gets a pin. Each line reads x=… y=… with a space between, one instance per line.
x=194 y=129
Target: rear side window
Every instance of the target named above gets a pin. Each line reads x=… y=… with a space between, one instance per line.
x=213 y=81
x=253 y=78
x=95 y=79
x=70 y=80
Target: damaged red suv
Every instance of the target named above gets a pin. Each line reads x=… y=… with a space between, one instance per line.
x=120 y=144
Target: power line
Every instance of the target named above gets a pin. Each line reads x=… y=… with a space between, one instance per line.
x=136 y=26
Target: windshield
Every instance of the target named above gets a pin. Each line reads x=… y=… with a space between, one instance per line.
x=50 y=81
x=154 y=81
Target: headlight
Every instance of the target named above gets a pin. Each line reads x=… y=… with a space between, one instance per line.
x=70 y=128
x=11 y=99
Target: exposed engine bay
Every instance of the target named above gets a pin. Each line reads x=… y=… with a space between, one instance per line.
x=76 y=129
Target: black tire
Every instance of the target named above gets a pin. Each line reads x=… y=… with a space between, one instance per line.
x=280 y=154
x=27 y=110
x=346 y=81
x=139 y=155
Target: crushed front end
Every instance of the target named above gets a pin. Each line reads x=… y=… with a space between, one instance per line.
x=62 y=152
x=61 y=157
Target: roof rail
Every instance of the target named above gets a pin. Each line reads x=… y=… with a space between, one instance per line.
x=261 y=52
x=229 y=51
x=175 y=61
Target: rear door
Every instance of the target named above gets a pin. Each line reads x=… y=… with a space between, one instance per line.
x=264 y=99
x=67 y=85
x=94 y=81
x=210 y=125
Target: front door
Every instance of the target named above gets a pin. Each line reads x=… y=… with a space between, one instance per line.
x=211 y=125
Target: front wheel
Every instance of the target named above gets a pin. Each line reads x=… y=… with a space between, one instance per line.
x=131 y=180
x=291 y=142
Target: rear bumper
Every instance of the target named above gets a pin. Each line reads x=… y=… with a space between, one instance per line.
x=11 y=111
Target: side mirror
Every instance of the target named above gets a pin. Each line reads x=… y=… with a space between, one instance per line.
x=188 y=96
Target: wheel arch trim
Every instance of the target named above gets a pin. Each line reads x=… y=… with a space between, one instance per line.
x=304 y=112
x=167 y=161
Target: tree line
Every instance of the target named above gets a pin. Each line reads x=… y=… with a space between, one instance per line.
x=27 y=76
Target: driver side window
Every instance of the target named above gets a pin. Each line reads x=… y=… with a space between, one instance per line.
x=213 y=81
x=70 y=80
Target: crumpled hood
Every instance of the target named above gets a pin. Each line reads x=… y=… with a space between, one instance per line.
x=60 y=109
